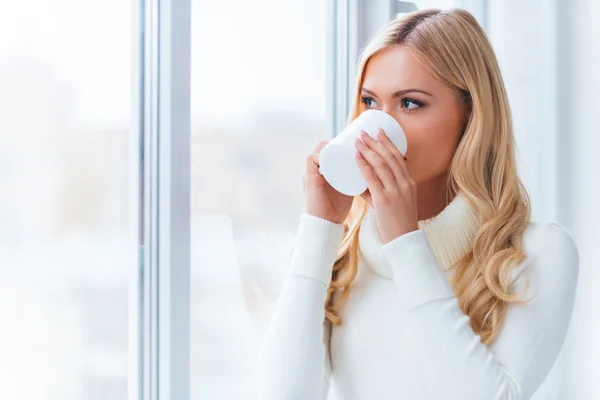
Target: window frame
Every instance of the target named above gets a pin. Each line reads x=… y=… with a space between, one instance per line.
x=160 y=138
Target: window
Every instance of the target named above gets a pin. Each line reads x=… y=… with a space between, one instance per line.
x=258 y=106
x=64 y=167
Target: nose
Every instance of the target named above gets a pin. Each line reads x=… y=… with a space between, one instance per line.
x=389 y=109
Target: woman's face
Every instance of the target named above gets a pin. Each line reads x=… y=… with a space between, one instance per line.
x=430 y=114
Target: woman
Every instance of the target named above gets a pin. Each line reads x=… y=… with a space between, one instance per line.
x=434 y=283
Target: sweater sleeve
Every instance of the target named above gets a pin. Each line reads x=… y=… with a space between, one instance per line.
x=293 y=361
x=531 y=335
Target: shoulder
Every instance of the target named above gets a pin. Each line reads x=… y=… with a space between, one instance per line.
x=551 y=254
x=550 y=238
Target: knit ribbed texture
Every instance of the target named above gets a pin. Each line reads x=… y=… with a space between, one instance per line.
x=450 y=233
x=315 y=248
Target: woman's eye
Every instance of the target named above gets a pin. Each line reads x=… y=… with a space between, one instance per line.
x=406 y=103
x=368 y=102
x=410 y=104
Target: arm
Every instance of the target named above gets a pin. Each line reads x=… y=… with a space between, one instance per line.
x=293 y=362
x=531 y=336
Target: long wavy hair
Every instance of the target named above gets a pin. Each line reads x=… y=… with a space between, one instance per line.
x=455 y=49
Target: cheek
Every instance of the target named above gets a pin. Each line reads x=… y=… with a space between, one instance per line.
x=430 y=147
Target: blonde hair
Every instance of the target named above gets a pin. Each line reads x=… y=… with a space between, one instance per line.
x=455 y=49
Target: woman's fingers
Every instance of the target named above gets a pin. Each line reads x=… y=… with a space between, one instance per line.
x=373 y=181
x=384 y=146
x=378 y=158
x=320 y=144
x=385 y=140
x=312 y=161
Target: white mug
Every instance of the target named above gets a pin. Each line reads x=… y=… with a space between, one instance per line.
x=336 y=160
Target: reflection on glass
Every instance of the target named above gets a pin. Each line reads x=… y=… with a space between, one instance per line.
x=64 y=250
x=258 y=107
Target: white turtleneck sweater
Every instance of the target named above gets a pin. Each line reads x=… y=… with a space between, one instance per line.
x=403 y=335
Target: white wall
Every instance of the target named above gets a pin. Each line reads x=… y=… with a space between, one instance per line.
x=579 y=196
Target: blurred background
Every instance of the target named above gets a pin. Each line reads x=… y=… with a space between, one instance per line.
x=259 y=102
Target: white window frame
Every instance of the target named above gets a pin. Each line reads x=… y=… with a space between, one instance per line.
x=338 y=61
x=160 y=293
x=351 y=24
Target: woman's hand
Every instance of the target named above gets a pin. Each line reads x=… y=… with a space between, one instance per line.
x=392 y=191
x=322 y=200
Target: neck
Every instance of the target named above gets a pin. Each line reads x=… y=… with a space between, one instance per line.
x=433 y=196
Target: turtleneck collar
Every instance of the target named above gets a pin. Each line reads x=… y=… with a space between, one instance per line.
x=450 y=234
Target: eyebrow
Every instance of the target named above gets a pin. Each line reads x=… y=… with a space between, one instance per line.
x=399 y=92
